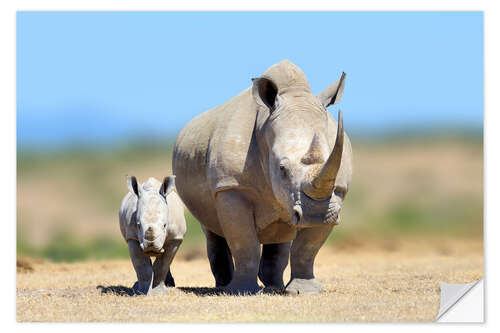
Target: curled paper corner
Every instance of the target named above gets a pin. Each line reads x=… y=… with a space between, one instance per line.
x=453 y=297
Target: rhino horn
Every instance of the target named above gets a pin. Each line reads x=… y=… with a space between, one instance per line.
x=321 y=187
x=313 y=154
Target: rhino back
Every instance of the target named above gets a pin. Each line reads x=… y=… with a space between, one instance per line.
x=189 y=164
x=212 y=153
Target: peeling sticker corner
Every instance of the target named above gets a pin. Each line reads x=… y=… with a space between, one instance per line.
x=452 y=294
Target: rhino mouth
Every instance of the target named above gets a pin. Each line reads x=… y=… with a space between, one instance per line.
x=311 y=213
x=153 y=253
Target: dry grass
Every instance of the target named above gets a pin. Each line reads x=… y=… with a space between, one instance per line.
x=395 y=280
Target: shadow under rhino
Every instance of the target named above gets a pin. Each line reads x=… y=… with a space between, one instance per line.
x=198 y=291
x=117 y=290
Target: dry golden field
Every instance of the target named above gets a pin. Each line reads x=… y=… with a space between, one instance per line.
x=413 y=218
x=392 y=281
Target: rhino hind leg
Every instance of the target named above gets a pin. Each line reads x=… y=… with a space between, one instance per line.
x=273 y=262
x=221 y=260
x=304 y=249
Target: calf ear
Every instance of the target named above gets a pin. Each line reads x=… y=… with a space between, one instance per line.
x=333 y=93
x=133 y=187
x=167 y=186
x=266 y=90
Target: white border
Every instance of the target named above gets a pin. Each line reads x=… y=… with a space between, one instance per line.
x=8 y=132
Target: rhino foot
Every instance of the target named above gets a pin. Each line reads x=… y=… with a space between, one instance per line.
x=160 y=289
x=303 y=287
x=273 y=290
x=139 y=290
x=241 y=288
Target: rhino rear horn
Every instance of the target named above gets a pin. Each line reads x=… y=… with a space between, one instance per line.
x=313 y=154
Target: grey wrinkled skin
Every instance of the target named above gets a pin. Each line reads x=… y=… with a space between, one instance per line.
x=153 y=225
x=271 y=166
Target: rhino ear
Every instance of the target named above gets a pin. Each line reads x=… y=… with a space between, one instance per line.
x=133 y=187
x=333 y=93
x=266 y=90
x=167 y=186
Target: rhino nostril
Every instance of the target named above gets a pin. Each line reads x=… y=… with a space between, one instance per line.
x=297 y=214
x=149 y=235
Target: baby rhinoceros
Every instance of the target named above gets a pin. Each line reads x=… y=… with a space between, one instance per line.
x=153 y=224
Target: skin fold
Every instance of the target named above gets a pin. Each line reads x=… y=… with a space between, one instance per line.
x=266 y=174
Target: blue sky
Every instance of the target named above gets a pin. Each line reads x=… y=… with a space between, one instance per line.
x=93 y=77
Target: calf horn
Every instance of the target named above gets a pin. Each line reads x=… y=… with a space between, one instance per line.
x=321 y=187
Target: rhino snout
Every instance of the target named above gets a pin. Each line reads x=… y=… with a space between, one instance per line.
x=311 y=213
x=151 y=249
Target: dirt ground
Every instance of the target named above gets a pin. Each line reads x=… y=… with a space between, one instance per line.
x=387 y=281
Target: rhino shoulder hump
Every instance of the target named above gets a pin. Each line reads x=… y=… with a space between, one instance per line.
x=230 y=143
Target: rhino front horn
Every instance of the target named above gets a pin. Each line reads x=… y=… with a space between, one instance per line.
x=321 y=187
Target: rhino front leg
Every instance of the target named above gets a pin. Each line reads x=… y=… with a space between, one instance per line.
x=273 y=263
x=161 y=267
x=236 y=219
x=143 y=268
x=304 y=249
x=221 y=260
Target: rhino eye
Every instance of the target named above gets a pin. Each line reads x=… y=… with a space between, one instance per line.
x=340 y=192
x=283 y=171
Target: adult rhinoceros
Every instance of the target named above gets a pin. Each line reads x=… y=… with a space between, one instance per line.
x=271 y=166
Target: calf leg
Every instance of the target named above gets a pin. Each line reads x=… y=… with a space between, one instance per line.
x=221 y=261
x=304 y=249
x=236 y=220
x=161 y=267
x=143 y=268
x=273 y=263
